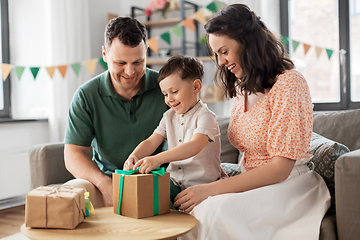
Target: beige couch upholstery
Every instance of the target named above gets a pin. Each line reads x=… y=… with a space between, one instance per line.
x=47 y=167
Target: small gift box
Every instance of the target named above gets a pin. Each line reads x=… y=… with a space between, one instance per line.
x=141 y=195
x=55 y=207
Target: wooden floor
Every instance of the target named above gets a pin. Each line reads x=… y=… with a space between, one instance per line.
x=11 y=220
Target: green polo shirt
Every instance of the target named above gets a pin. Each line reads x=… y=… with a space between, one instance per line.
x=113 y=126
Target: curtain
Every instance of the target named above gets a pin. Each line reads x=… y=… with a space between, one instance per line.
x=68 y=41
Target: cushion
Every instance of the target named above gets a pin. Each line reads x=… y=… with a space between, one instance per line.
x=231 y=169
x=229 y=153
x=325 y=152
x=340 y=126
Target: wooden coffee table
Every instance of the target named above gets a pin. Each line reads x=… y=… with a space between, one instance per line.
x=107 y=225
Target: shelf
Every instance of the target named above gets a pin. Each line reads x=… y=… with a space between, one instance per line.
x=162 y=22
x=158 y=60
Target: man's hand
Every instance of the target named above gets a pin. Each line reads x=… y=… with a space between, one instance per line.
x=106 y=188
x=147 y=164
x=129 y=163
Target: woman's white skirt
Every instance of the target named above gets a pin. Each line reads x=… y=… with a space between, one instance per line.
x=292 y=209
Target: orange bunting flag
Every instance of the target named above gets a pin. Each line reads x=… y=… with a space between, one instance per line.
x=153 y=44
x=50 y=71
x=318 y=51
x=199 y=16
x=91 y=65
x=5 y=70
x=306 y=48
x=189 y=24
x=63 y=69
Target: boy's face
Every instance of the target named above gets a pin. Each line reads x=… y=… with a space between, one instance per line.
x=180 y=95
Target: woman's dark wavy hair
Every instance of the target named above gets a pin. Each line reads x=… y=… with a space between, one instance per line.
x=129 y=31
x=262 y=56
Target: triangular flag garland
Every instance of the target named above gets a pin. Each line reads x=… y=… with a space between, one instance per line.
x=177 y=30
x=5 y=70
x=19 y=71
x=166 y=37
x=50 y=71
x=329 y=52
x=34 y=71
x=200 y=16
x=103 y=63
x=91 y=65
x=189 y=24
x=153 y=44
x=62 y=69
x=318 y=51
x=76 y=67
x=295 y=44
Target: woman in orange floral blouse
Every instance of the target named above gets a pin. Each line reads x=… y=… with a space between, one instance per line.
x=276 y=196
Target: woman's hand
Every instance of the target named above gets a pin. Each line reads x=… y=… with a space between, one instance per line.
x=147 y=164
x=192 y=196
x=129 y=163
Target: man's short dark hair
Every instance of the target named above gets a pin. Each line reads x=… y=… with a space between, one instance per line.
x=188 y=68
x=128 y=30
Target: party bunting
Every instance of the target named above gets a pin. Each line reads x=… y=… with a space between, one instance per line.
x=62 y=69
x=91 y=65
x=177 y=30
x=34 y=71
x=19 y=71
x=166 y=37
x=103 y=63
x=329 y=53
x=318 y=51
x=295 y=45
x=76 y=67
x=214 y=6
x=284 y=40
x=50 y=71
x=199 y=16
x=306 y=48
x=189 y=24
x=5 y=70
x=153 y=44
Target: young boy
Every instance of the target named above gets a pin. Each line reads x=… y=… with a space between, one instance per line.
x=189 y=127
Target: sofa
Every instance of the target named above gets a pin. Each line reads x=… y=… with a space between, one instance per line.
x=335 y=145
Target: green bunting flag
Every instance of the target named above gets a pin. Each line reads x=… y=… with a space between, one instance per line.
x=103 y=63
x=295 y=44
x=284 y=40
x=76 y=67
x=34 y=71
x=329 y=53
x=177 y=30
x=212 y=7
x=166 y=37
x=19 y=71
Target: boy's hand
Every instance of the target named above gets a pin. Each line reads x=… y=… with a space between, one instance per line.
x=129 y=163
x=147 y=164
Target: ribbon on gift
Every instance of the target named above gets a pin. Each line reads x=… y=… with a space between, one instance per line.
x=160 y=171
x=56 y=190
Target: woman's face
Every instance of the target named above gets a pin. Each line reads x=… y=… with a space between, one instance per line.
x=227 y=51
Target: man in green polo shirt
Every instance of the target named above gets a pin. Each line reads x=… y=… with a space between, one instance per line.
x=113 y=112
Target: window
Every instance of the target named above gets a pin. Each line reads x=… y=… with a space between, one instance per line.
x=322 y=43
x=5 y=58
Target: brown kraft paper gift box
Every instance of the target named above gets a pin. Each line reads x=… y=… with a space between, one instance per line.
x=138 y=195
x=55 y=207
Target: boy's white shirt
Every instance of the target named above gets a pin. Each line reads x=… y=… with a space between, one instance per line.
x=180 y=128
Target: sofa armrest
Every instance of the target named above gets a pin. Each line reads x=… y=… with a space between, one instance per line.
x=347 y=195
x=47 y=165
